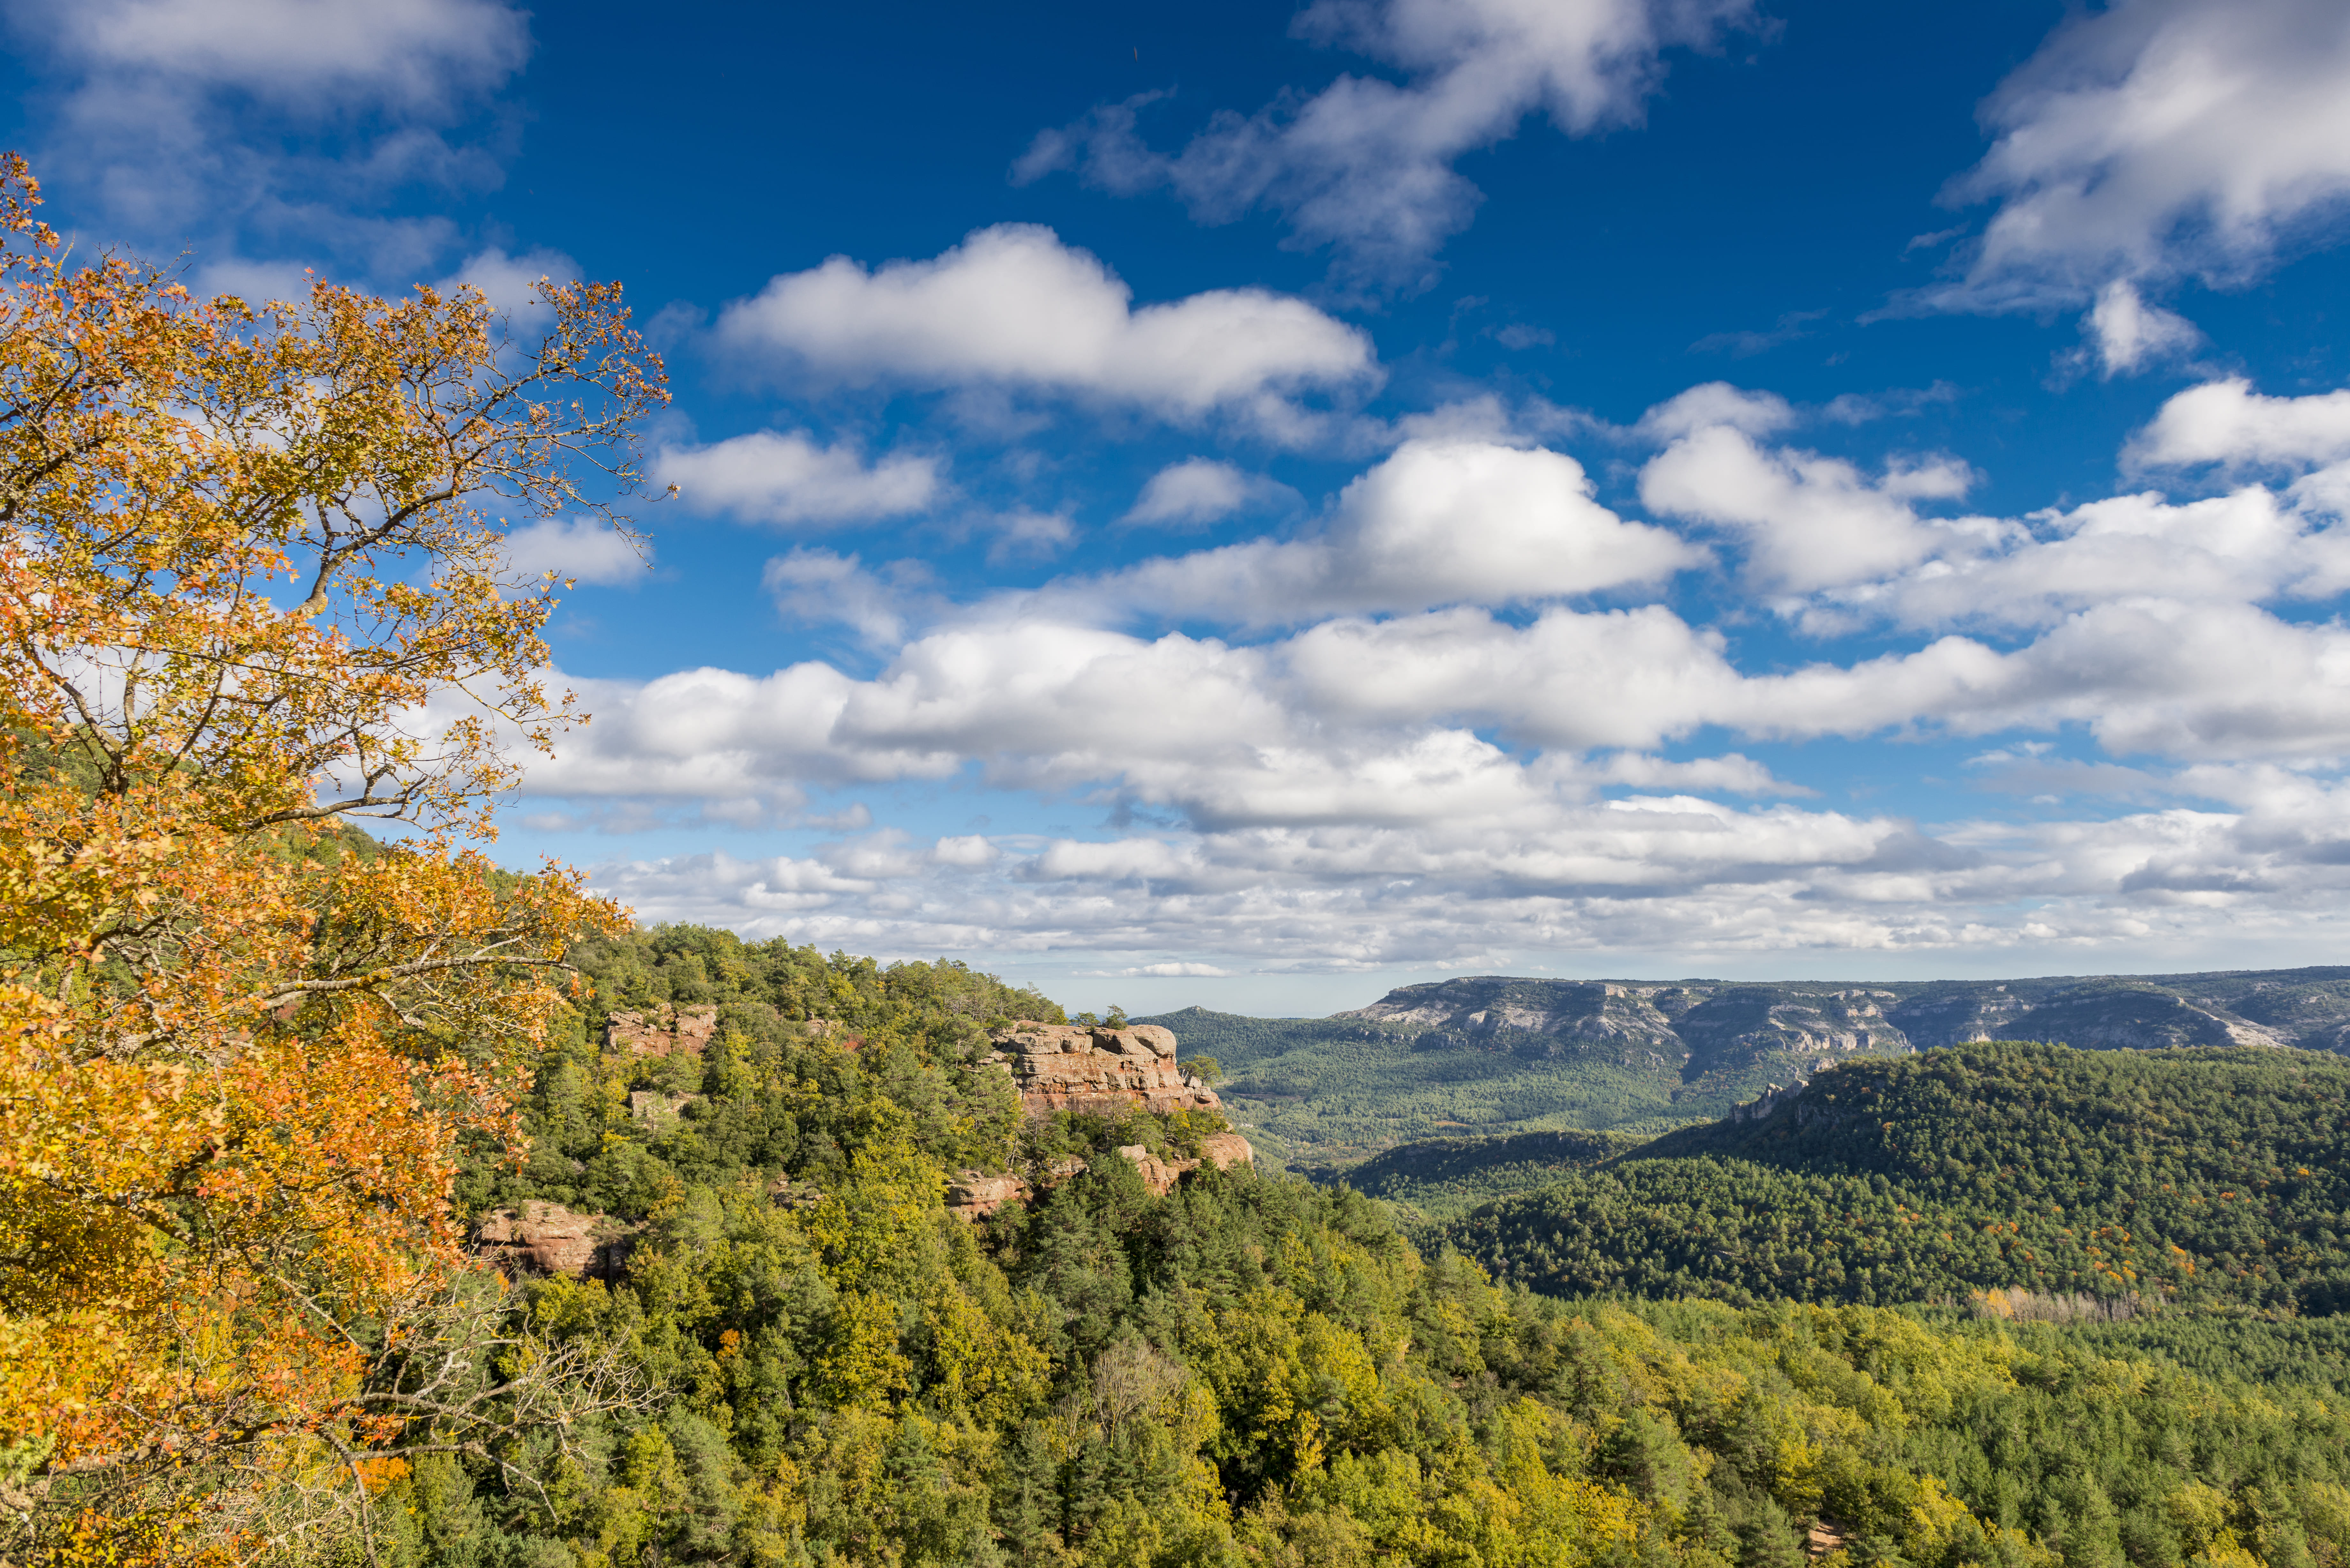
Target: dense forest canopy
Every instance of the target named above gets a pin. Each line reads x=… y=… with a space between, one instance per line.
x=2206 y=1177
x=1444 y=1177
x=823 y=1364
x=1252 y=1369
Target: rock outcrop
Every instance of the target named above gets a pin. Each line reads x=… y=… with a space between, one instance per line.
x=1161 y=1175
x=549 y=1239
x=1105 y=1072
x=661 y=1031
x=1073 y=1067
x=974 y=1195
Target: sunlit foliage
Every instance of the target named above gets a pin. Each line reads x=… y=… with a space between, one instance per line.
x=252 y=589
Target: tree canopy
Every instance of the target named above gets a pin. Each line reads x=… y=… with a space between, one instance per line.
x=2210 y=1176
x=253 y=589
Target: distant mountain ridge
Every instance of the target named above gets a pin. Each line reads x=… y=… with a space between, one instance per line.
x=1493 y=1053
x=1712 y=1023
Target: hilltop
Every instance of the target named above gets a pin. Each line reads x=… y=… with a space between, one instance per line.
x=2211 y=1176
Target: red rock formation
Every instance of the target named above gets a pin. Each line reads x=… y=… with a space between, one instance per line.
x=1158 y=1175
x=1161 y=1175
x=1077 y=1067
x=549 y=1239
x=1071 y=1067
x=972 y=1195
x=661 y=1031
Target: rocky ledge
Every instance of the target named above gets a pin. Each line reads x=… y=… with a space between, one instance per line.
x=549 y=1239
x=1102 y=1071
x=974 y=1195
x=1073 y=1067
x=661 y=1031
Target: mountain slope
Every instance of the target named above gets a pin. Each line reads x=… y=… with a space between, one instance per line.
x=1493 y=1053
x=2201 y=1175
x=1335 y=1089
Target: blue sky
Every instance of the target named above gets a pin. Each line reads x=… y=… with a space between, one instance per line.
x=1250 y=506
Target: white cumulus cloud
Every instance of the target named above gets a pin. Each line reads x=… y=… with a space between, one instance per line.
x=2129 y=334
x=297 y=51
x=1013 y=307
x=787 y=477
x=511 y=283
x=1442 y=521
x=2227 y=422
x=1809 y=521
x=189 y=118
x=2156 y=139
x=1199 y=491
x=582 y=548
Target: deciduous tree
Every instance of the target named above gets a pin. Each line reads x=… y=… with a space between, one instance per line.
x=253 y=589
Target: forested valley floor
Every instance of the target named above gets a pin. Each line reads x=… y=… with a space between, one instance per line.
x=1636 y=1367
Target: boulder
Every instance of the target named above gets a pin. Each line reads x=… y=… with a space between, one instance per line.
x=1224 y=1150
x=1158 y=1036
x=549 y=1239
x=1158 y=1175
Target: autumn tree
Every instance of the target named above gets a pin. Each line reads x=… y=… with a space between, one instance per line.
x=254 y=590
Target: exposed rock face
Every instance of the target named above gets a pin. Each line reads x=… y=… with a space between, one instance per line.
x=1161 y=1175
x=974 y=1195
x=549 y=1239
x=1715 y=1033
x=1105 y=1071
x=1224 y=1150
x=1071 y=1067
x=661 y=1031
x=1158 y=1175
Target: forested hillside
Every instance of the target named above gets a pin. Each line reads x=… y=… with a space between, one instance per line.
x=1443 y=1177
x=2208 y=1176
x=831 y=1368
x=1335 y=1089
x=372 y=1204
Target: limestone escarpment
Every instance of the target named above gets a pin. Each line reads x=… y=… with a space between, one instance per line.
x=1714 y=1031
x=1098 y=1069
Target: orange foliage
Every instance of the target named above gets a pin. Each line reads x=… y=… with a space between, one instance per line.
x=249 y=589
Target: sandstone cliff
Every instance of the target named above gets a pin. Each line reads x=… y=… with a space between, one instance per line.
x=1100 y=1071
x=1072 y=1067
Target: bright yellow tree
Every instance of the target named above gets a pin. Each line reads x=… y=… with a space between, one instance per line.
x=253 y=586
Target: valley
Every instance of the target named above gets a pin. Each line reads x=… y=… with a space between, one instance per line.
x=1490 y=1054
